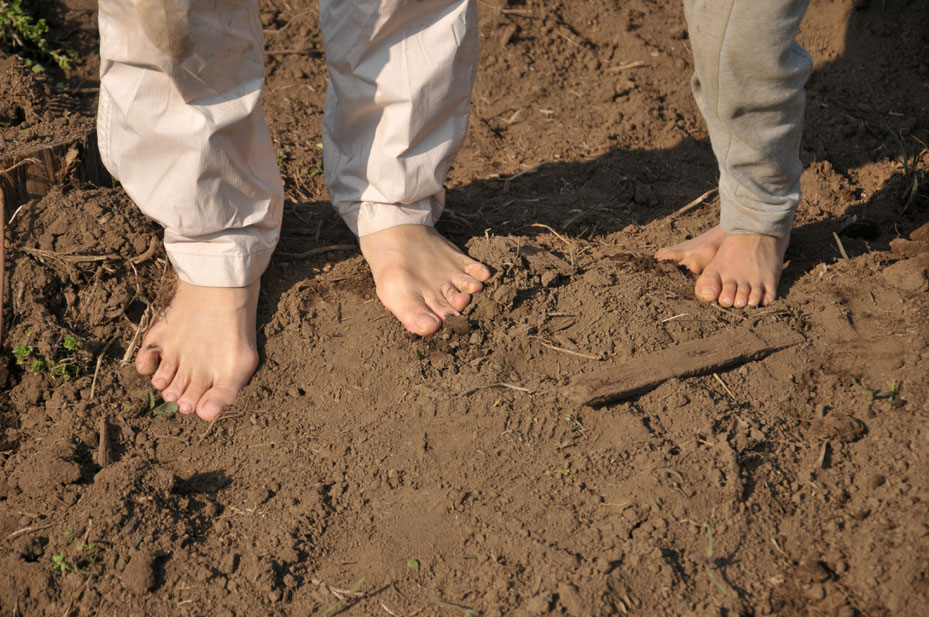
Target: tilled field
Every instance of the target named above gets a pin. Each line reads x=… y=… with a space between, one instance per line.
x=365 y=471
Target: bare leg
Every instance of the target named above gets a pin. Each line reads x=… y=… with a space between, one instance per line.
x=202 y=351
x=735 y=269
x=420 y=276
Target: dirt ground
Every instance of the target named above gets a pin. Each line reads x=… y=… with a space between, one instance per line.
x=365 y=471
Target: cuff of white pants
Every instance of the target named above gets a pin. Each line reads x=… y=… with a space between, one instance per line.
x=366 y=217
x=741 y=213
x=219 y=270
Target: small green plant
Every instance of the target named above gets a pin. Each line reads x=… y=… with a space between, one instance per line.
x=26 y=356
x=708 y=561
x=67 y=362
x=60 y=563
x=165 y=410
x=351 y=595
x=574 y=421
x=22 y=353
x=412 y=564
x=25 y=35
x=81 y=558
x=282 y=156
x=880 y=393
x=317 y=168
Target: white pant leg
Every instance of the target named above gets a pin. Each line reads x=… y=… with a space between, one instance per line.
x=400 y=78
x=180 y=126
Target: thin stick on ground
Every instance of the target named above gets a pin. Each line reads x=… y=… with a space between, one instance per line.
x=498 y=385
x=557 y=235
x=19 y=164
x=143 y=324
x=723 y=384
x=387 y=610
x=24 y=530
x=567 y=351
x=694 y=203
x=208 y=430
x=626 y=66
x=317 y=251
x=93 y=382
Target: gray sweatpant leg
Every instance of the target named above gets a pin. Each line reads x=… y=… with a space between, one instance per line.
x=748 y=83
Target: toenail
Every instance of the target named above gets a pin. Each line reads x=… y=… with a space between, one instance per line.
x=160 y=383
x=426 y=321
x=211 y=409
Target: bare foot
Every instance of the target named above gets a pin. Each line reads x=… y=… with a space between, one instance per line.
x=735 y=270
x=420 y=276
x=202 y=351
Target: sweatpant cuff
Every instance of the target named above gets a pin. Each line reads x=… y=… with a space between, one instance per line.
x=222 y=270
x=366 y=217
x=741 y=213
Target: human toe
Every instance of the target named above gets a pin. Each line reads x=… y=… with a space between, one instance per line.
x=708 y=287
x=770 y=295
x=756 y=296
x=173 y=391
x=477 y=271
x=727 y=293
x=167 y=368
x=742 y=293
x=146 y=361
x=455 y=298
x=188 y=401
x=468 y=285
x=215 y=400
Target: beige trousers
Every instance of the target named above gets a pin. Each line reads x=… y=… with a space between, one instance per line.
x=180 y=124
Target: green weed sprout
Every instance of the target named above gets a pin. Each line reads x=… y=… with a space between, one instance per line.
x=352 y=593
x=709 y=563
x=21 y=31
x=60 y=563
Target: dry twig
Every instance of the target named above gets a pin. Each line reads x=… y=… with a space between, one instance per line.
x=694 y=203
x=317 y=251
x=93 y=382
x=497 y=385
x=567 y=351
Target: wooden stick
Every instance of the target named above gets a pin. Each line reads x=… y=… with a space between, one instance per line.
x=104 y=454
x=316 y=251
x=694 y=203
x=698 y=357
x=497 y=385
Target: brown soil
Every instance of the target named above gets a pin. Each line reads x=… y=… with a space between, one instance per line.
x=411 y=476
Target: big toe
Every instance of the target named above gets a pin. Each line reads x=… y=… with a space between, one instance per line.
x=215 y=400
x=415 y=317
x=146 y=361
x=708 y=287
